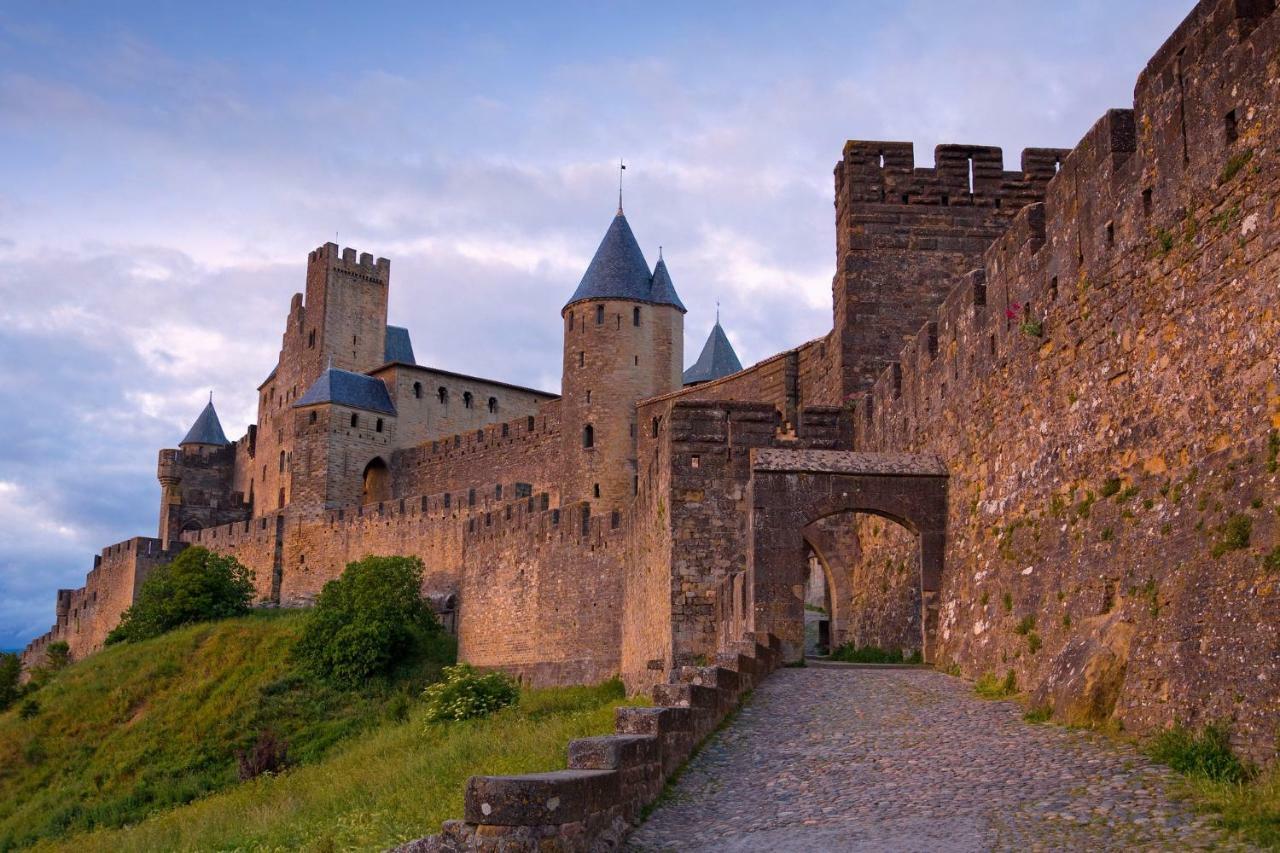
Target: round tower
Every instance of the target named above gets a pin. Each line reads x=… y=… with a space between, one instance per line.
x=623 y=342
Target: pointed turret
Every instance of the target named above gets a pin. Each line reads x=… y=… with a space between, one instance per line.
x=663 y=291
x=206 y=431
x=618 y=270
x=717 y=359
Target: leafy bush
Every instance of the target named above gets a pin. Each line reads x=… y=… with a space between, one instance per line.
x=1234 y=535
x=196 y=587
x=848 y=653
x=1207 y=754
x=366 y=620
x=28 y=709
x=10 y=671
x=267 y=755
x=989 y=687
x=465 y=693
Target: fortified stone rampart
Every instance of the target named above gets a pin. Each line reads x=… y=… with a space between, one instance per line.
x=1103 y=388
x=86 y=615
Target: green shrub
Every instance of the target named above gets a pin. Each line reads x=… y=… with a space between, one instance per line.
x=1041 y=714
x=1207 y=754
x=10 y=672
x=1007 y=600
x=988 y=686
x=1110 y=487
x=366 y=620
x=1234 y=535
x=1026 y=625
x=1271 y=562
x=465 y=693
x=1034 y=642
x=197 y=586
x=1234 y=164
x=848 y=653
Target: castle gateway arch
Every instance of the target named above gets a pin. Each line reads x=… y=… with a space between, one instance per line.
x=789 y=490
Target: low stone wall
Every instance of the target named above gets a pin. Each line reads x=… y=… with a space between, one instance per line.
x=593 y=804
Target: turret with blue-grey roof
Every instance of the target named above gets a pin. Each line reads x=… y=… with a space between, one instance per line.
x=623 y=342
x=206 y=431
x=717 y=360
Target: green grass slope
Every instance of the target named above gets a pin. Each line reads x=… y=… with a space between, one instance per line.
x=395 y=783
x=143 y=727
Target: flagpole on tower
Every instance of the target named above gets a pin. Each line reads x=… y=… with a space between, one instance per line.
x=621 y=168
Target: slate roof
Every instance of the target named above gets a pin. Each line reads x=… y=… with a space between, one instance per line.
x=619 y=271
x=663 y=291
x=348 y=389
x=398 y=347
x=717 y=359
x=206 y=430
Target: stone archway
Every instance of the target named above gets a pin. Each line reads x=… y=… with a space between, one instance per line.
x=791 y=489
x=377 y=482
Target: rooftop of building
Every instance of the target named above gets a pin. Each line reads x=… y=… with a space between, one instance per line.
x=344 y=388
x=717 y=359
x=207 y=429
x=618 y=270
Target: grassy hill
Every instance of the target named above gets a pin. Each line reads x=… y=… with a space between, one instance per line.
x=134 y=748
x=141 y=727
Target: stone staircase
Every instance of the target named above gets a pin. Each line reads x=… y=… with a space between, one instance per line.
x=593 y=804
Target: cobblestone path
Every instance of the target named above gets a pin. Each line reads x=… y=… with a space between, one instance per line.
x=826 y=758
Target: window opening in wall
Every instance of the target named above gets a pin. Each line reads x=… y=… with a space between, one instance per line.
x=618 y=321
x=946 y=201
x=443 y=394
x=1111 y=234
x=471 y=497
x=1053 y=288
x=447 y=499
x=970 y=176
x=881 y=159
x=571 y=322
x=466 y=399
x=281 y=460
x=1229 y=122
x=595 y=490
x=655 y=427
x=531 y=423
x=378 y=425
x=993 y=344
x=1146 y=202
x=635 y=316
x=1057 y=165
x=280 y=502
x=311 y=340
x=493 y=405
x=905 y=199
x=633 y=430
x=695 y=461
x=497 y=491
x=588 y=436
x=313 y=417
x=417 y=390
x=355 y=420
x=506 y=429
x=353 y=340
x=635 y=484
x=582 y=359
x=599 y=314
x=637 y=360
x=588 y=396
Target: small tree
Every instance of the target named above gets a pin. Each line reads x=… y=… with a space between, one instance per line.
x=465 y=693
x=197 y=586
x=10 y=673
x=366 y=620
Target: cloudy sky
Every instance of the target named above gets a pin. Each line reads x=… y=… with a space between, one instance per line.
x=165 y=168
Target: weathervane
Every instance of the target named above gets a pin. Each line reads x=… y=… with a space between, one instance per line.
x=621 y=168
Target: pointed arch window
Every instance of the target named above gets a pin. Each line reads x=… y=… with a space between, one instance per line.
x=443 y=394
x=493 y=405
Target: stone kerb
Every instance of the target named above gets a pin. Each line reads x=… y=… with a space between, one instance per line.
x=610 y=779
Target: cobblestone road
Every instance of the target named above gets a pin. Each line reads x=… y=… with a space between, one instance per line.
x=910 y=760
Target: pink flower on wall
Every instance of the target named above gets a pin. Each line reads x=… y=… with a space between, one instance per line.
x=1011 y=312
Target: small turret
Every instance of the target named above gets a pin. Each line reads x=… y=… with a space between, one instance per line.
x=623 y=342
x=206 y=433
x=717 y=359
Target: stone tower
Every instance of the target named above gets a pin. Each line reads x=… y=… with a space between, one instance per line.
x=623 y=342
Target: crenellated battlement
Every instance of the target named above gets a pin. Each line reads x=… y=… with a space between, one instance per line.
x=348 y=260
x=884 y=172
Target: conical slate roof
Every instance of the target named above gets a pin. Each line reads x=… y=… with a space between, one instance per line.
x=619 y=271
x=663 y=291
x=206 y=430
x=717 y=359
x=348 y=389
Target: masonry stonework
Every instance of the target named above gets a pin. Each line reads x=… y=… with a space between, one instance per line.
x=1041 y=436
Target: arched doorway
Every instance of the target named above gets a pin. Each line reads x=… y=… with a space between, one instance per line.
x=377 y=482
x=790 y=494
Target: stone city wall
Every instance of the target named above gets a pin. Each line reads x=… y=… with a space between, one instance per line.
x=1104 y=392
